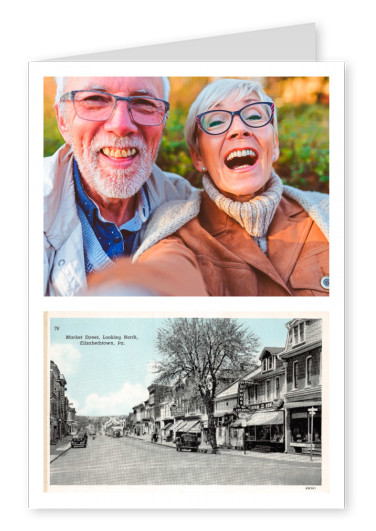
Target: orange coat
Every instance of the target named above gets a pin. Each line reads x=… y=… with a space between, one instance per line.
x=213 y=255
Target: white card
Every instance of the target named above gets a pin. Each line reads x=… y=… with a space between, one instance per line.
x=193 y=60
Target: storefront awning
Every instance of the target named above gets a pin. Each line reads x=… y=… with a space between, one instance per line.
x=261 y=418
x=301 y=404
x=239 y=423
x=179 y=425
x=193 y=426
x=168 y=426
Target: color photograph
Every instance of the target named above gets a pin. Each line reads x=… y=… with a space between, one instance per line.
x=186 y=186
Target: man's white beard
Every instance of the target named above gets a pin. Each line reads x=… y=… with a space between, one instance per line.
x=114 y=183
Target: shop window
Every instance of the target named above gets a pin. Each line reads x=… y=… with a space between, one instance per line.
x=295 y=375
x=301 y=428
x=263 y=433
x=277 y=433
x=309 y=371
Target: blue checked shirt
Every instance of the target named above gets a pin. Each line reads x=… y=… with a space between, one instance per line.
x=115 y=241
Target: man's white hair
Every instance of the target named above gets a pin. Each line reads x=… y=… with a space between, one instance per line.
x=216 y=92
x=60 y=84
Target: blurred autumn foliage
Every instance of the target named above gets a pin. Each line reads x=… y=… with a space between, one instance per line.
x=303 y=124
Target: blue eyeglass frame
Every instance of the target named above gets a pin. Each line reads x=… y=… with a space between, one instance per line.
x=70 y=96
x=236 y=113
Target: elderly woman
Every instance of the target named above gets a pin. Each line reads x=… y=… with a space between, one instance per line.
x=247 y=234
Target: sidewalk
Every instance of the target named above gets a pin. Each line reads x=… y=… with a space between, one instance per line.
x=277 y=456
x=62 y=446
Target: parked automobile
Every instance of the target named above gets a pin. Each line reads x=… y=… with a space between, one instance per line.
x=187 y=441
x=79 y=440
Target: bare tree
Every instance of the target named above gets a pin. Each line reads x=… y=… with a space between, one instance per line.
x=196 y=351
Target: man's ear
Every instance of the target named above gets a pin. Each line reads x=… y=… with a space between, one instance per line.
x=197 y=160
x=61 y=122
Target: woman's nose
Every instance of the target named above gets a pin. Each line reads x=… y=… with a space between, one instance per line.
x=120 y=121
x=238 y=128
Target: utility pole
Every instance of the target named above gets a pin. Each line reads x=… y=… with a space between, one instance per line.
x=312 y=412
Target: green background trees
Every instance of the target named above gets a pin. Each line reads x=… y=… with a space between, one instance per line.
x=303 y=123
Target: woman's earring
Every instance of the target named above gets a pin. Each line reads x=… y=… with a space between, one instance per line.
x=203 y=168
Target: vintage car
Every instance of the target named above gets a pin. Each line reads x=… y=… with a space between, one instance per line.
x=79 y=440
x=187 y=441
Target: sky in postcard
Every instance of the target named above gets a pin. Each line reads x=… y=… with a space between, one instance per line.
x=110 y=379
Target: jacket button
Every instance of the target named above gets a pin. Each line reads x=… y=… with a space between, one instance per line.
x=325 y=282
x=61 y=262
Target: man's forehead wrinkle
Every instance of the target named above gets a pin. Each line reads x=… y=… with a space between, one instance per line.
x=95 y=86
x=131 y=92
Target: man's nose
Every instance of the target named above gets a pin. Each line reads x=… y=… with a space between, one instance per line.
x=120 y=121
x=238 y=128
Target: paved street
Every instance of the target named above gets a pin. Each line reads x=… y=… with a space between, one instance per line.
x=130 y=461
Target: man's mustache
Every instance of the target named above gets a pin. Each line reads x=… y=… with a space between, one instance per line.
x=100 y=142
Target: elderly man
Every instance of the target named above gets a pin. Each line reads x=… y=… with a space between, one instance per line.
x=102 y=186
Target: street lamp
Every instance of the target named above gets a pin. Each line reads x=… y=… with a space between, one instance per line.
x=312 y=412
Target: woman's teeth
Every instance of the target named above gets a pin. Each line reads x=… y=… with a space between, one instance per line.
x=241 y=158
x=119 y=153
x=241 y=153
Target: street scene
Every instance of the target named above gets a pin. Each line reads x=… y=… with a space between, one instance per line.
x=137 y=461
x=185 y=402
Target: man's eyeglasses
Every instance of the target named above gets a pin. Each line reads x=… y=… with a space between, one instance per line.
x=253 y=115
x=98 y=106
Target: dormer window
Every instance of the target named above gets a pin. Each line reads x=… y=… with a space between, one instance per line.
x=267 y=363
x=297 y=334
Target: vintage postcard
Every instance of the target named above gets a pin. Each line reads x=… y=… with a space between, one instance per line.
x=236 y=404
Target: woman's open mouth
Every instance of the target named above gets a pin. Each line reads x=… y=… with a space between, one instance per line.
x=241 y=158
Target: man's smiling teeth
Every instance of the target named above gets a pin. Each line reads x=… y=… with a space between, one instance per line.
x=241 y=153
x=119 y=153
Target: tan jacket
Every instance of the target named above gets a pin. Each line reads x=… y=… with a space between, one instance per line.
x=213 y=255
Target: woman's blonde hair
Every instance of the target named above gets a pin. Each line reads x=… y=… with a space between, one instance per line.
x=216 y=92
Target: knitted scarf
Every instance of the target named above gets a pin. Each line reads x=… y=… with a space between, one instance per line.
x=255 y=215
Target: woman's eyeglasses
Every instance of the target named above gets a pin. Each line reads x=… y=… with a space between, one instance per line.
x=254 y=115
x=98 y=106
